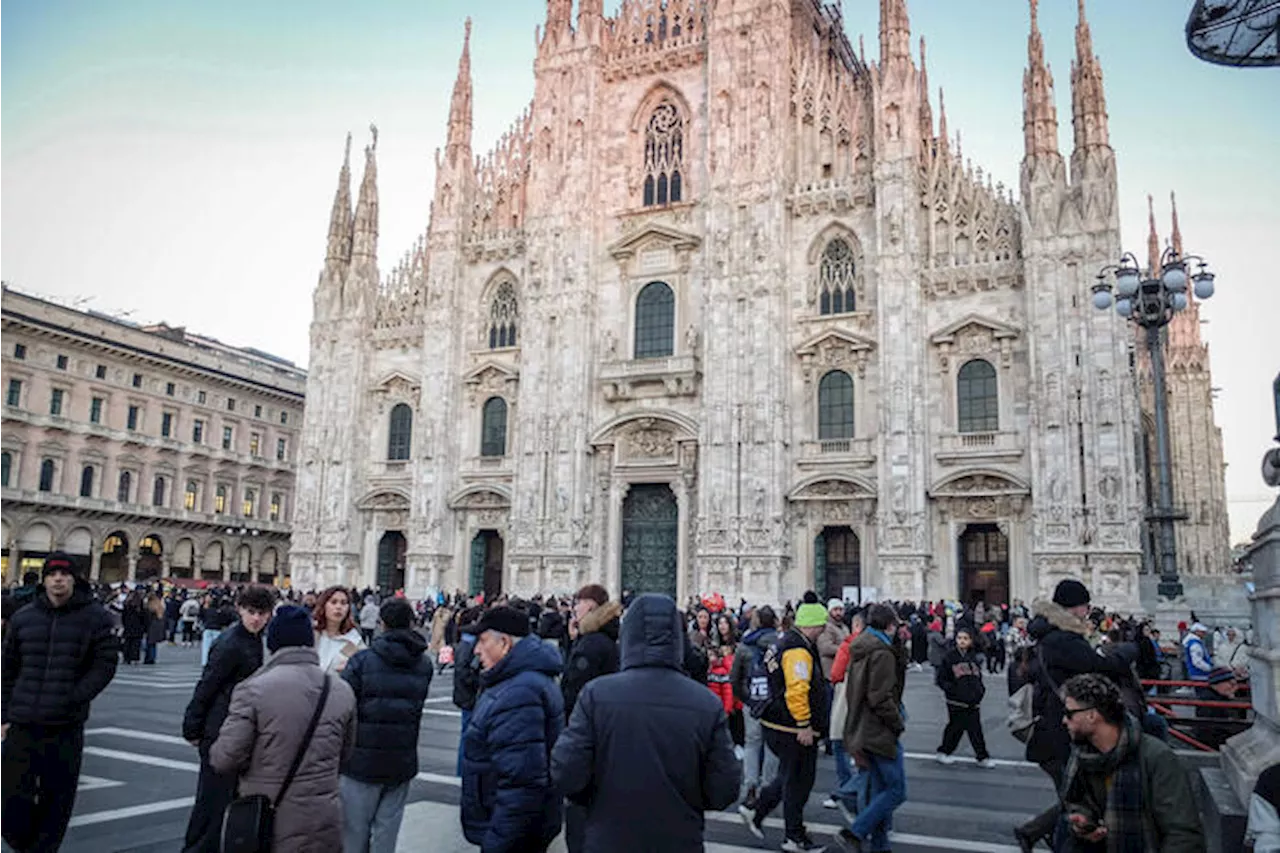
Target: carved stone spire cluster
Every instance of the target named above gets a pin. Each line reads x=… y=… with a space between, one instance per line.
x=1175 y=238
x=926 y=111
x=1088 y=102
x=1039 y=114
x=1153 y=240
x=458 y=147
x=895 y=33
x=364 y=236
x=339 y=246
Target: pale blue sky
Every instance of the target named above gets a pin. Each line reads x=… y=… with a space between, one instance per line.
x=177 y=158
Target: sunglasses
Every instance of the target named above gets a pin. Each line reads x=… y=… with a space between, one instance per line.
x=1069 y=713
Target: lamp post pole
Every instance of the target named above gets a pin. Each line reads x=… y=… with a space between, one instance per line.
x=1151 y=304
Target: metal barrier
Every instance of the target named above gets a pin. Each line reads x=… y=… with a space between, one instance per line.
x=1163 y=703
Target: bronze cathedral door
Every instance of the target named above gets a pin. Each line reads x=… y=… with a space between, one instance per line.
x=650 y=538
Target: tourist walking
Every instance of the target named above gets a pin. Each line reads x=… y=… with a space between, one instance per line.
x=265 y=731
x=508 y=801
x=390 y=680
x=235 y=656
x=60 y=652
x=337 y=637
x=188 y=614
x=874 y=683
x=651 y=729
x=794 y=721
x=369 y=615
x=960 y=678
x=759 y=764
x=1121 y=789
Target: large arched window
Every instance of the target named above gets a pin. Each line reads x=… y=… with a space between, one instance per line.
x=664 y=155
x=124 y=487
x=655 y=321
x=493 y=427
x=86 y=481
x=504 y=311
x=977 y=398
x=835 y=406
x=400 y=433
x=157 y=492
x=46 y=475
x=836 y=278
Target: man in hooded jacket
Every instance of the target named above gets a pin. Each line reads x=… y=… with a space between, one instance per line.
x=648 y=728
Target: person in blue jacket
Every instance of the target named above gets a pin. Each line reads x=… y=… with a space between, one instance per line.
x=509 y=804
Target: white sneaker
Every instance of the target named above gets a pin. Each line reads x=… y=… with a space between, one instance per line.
x=987 y=764
x=749 y=818
x=829 y=803
x=738 y=752
x=943 y=758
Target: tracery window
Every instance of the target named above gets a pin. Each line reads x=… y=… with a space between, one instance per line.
x=835 y=406
x=655 y=321
x=399 y=433
x=836 y=278
x=977 y=397
x=664 y=156
x=503 y=314
x=493 y=427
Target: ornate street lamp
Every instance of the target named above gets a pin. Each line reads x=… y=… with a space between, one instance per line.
x=1151 y=303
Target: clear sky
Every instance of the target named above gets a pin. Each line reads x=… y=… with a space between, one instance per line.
x=177 y=158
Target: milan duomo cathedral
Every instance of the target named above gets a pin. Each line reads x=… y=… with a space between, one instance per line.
x=727 y=310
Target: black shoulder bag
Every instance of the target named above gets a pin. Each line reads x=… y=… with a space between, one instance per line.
x=249 y=822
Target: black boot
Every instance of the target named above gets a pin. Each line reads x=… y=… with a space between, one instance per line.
x=1039 y=828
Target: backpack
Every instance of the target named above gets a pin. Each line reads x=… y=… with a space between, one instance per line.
x=760 y=679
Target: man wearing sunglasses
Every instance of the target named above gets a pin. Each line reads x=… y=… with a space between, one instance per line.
x=1122 y=789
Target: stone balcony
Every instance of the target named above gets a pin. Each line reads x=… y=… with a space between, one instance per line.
x=671 y=376
x=125 y=512
x=967 y=448
x=848 y=452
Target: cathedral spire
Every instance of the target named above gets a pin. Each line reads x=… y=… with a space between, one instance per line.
x=339 y=248
x=1153 y=239
x=1088 y=102
x=458 y=148
x=1176 y=236
x=926 y=111
x=943 y=143
x=364 y=242
x=1039 y=115
x=895 y=33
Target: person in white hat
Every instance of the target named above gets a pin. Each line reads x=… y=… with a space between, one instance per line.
x=1196 y=660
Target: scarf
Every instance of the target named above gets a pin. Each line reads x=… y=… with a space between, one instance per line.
x=1107 y=788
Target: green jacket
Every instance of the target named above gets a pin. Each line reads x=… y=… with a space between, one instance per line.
x=1170 y=815
x=873 y=686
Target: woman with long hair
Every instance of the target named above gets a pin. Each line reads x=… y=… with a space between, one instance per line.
x=724 y=642
x=134 y=626
x=153 y=611
x=337 y=637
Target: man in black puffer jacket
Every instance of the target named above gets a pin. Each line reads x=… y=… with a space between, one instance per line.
x=59 y=654
x=390 y=681
x=234 y=656
x=647 y=728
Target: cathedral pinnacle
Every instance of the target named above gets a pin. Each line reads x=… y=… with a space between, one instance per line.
x=926 y=111
x=339 y=248
x=458 y=148
x=895 y=33
x=1039 y=115
x=1088 y=102
x=1176 y=236
x=364 y=242
x=943 y=143
x=1153 y=240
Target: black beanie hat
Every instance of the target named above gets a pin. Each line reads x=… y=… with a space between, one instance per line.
x=1070 y=593
x=60 y=561
x=504 y=620
x=291 y=626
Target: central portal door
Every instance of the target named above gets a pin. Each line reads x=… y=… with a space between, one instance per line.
x=984 y=565
x=391 y=558
x=650 y=539
x=486 y=564
x=837 y=560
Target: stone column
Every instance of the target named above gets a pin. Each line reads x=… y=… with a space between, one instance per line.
x=95 y=563
x=613 y=557
x=684 y=565
x=133 y=566
x=1249 y=753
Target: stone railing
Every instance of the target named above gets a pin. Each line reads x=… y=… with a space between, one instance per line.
x=970 y=446
x=172 y=515
x=669 y=376
x=843 y=451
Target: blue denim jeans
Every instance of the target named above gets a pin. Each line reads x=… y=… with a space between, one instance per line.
x=887 y=790
x=371 y=815
x=206 y=643
x=759 y=764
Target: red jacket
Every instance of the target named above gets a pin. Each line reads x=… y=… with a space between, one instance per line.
x=718 y=681
x=841 y=663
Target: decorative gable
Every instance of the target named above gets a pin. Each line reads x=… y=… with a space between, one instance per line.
x=398 y=384
x=490 y=378
x=655 y=249
x=975 y=336
x=834 y=349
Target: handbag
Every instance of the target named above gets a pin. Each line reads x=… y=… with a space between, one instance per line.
x=249 y=822
x=1022 y=718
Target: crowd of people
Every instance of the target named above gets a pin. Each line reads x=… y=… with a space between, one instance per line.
x=570 y=705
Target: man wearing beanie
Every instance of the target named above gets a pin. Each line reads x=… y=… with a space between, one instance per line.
x=59 y=654
x=1060 y=630
x=265 y=729
x=508 y=801
x=797 y=712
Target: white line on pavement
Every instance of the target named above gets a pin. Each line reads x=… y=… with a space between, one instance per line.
x=440 y=699
x=153 y=760
x=441 y=713
x=900 y=837
x=440 y=779
x=151 y=736
x=131 y=811
x=964 y=759
x=93 y=783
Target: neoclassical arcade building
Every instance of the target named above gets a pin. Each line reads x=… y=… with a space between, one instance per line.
x=725 y=309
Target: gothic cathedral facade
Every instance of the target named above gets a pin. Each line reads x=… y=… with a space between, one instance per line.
x=725 y=310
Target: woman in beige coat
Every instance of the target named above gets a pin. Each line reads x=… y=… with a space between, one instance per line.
x=263 y=732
